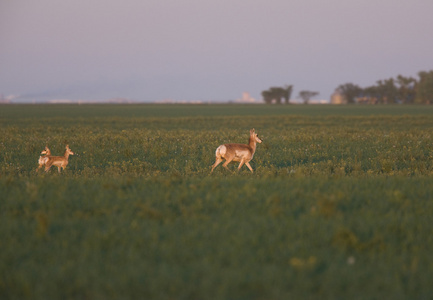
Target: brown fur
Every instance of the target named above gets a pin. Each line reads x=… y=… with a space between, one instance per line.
x=237 y=152
x=59 y=161
x=43 y=159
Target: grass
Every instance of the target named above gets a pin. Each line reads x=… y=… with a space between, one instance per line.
x=339 y=206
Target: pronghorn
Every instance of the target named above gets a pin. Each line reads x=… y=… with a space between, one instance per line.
x=59 y=161
x=43 y=159
x=237 y=152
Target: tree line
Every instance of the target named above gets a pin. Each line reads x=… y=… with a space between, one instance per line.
x=279 y=94
x=404 y=90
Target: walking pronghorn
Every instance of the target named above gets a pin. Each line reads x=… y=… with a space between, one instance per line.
x=43 y=159
x=237 y=152
x=59 y=161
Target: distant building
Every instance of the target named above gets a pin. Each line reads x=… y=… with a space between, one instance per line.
x=319 y=101
x=366 y=100
x=4 y=100
x=338 y=98
x=246 y=98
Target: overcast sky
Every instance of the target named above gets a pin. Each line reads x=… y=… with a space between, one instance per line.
x=150 y=50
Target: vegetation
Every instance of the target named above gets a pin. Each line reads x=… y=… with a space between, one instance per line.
x=405 y=90
x=275 y=94
x=401 y=90
x=307 y=95
x=339 y=205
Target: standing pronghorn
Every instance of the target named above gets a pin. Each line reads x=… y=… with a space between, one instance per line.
x=43 y=159
x=237 y=152
x=59 y=161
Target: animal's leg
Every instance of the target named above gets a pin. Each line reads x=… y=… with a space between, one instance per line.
x=249 y=167
x=241 y=164
x=217 y=162
x=228 y=160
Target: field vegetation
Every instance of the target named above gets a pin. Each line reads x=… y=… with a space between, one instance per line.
x=339 y=206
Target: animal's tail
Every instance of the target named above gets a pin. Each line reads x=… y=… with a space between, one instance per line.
x=221 y=151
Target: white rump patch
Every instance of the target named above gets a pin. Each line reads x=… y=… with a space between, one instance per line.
x=221 y=151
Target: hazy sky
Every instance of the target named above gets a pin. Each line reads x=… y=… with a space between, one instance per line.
x=150 y=50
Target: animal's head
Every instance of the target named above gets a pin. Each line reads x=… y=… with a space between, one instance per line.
x=69 y=151
x=46 y=151
x=254 y=135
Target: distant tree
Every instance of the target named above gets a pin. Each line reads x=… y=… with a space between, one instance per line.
x=402 y=89
x=349 y=91
x=406 y=89
x=276 y=94
x=384 y=92
x=371 y=94
x=424 y=88
x=267 y=97
x=307 y=95
x=387 y=90
x=287 y=93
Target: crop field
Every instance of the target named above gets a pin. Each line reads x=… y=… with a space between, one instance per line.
x=340 y=204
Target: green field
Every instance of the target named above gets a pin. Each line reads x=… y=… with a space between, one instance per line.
x=340 y=204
